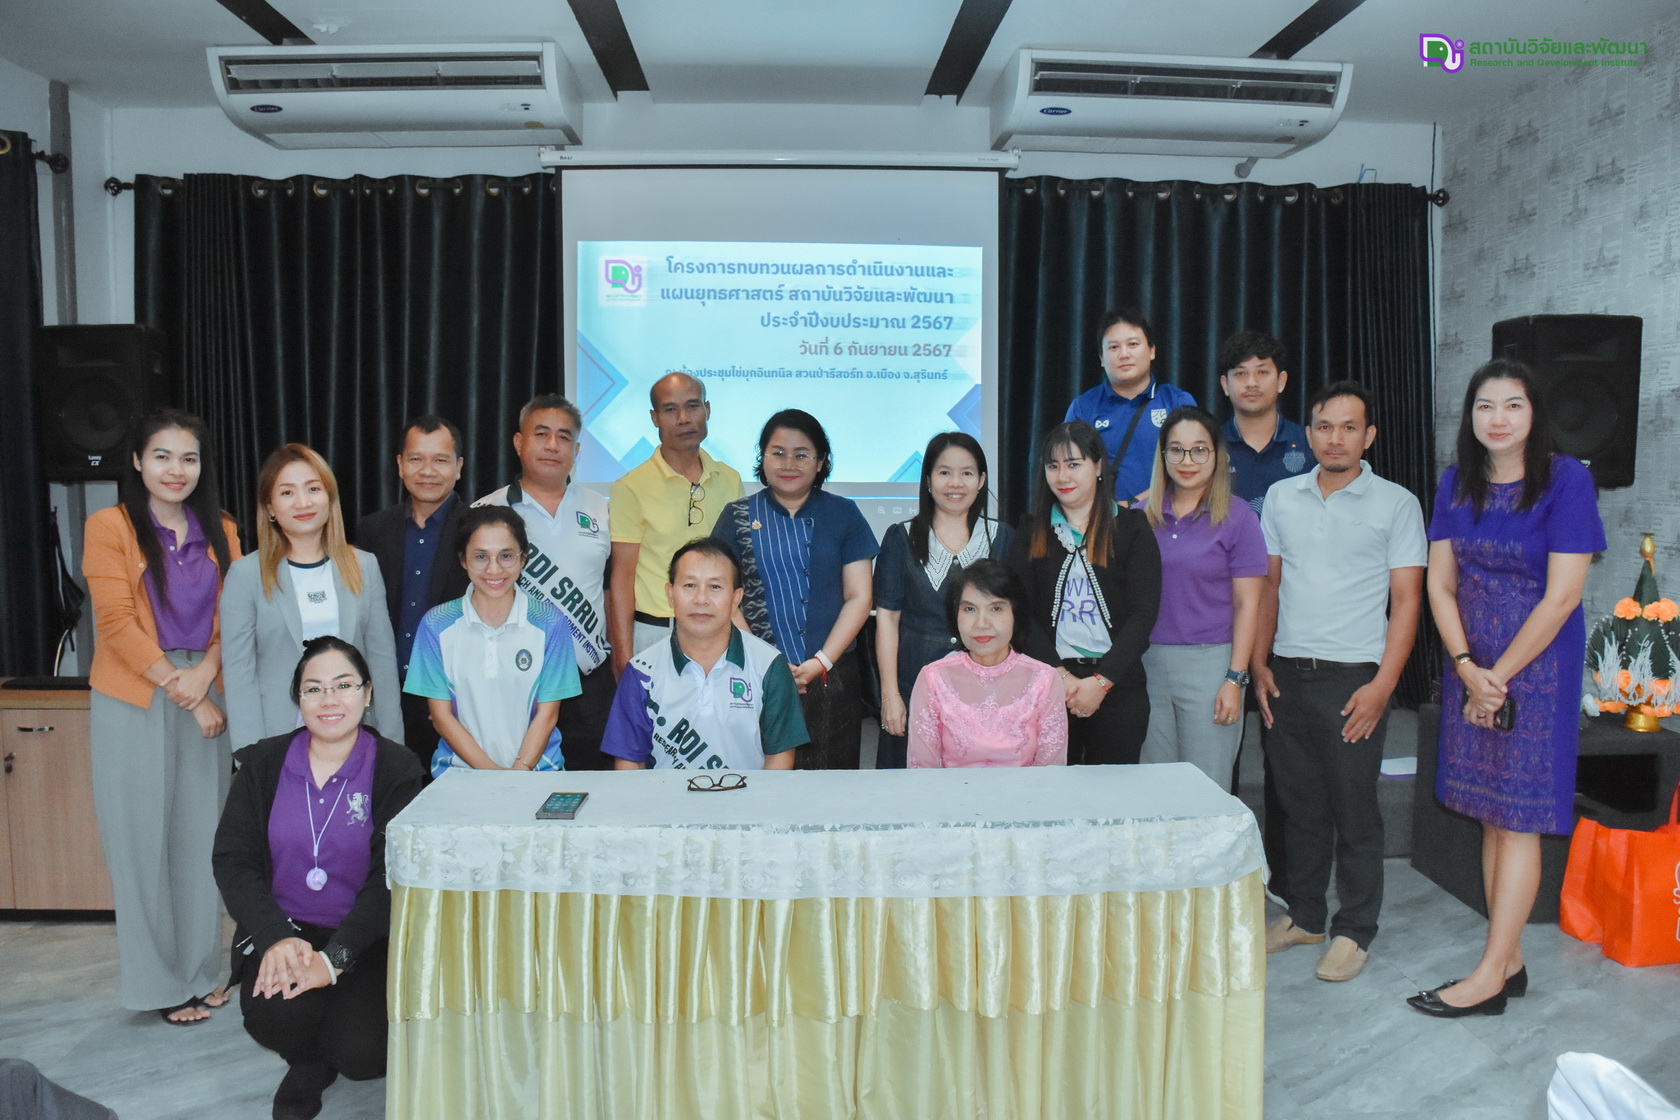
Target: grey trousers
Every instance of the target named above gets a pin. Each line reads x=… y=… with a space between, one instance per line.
x=158 y=788
x=1183 y=682
x=26 y=1094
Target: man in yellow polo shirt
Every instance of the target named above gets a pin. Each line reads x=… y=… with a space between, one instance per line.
x=657 y=508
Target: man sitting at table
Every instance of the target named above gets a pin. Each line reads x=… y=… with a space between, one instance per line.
x=711 y=697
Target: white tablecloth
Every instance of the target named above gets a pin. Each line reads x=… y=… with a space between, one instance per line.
x=830 y=834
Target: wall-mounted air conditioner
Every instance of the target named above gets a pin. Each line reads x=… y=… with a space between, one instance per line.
x=398 y=97
x=1084 y=101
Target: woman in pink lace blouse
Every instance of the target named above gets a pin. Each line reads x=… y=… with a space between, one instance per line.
x=987 y=705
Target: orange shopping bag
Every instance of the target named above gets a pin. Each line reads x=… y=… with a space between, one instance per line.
x=1622 y=890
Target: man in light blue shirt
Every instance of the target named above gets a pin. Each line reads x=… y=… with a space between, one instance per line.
x=1130 y=405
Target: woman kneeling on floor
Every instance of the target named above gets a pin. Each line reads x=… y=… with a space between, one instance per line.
x=300 y=860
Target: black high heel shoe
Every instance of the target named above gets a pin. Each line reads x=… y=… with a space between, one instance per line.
x=1516 y=984
x=1431 y=1003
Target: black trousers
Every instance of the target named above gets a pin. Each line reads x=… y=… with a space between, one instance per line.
x=833 y=707
x=1328 y=790
x=1113 y=733
x=342 y=1025
x=583 y=721
x=419 y=735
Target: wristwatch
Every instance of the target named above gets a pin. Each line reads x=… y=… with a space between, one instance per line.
x=338 y=959
x=1238 y=677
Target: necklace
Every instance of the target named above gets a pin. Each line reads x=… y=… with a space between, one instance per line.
x=316 y=879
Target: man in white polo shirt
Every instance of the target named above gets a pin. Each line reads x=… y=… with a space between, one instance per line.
x=1344 y=590
x=710 y=697
x=567 y=565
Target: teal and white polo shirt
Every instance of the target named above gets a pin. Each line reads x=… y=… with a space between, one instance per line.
x=494 y=677
x=681 y=717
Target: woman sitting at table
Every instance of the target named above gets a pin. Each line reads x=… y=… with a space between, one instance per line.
x=987 y=705
x=805 y=556
x=303 y=581
x=300 y=860
x=494 y=664
x=1093 y=579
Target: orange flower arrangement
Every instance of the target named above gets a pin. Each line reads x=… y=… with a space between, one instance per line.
x=1634 y=654
x=1663 y=610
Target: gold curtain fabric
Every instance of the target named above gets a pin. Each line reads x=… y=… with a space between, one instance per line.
x=509 y=1004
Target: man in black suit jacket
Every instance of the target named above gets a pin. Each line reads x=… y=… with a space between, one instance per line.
x=414 y=542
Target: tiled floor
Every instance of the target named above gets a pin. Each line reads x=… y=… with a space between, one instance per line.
x=1332 y=1050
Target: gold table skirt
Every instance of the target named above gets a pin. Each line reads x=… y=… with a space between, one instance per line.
x=508 y=1004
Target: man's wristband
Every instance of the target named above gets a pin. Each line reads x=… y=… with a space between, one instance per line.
x=822 y=659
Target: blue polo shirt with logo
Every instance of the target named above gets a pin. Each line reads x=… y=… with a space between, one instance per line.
x=670 y=711
x=1253 y=472
x=1111 y=414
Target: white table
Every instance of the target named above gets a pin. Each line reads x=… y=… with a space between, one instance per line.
x=1066 y=941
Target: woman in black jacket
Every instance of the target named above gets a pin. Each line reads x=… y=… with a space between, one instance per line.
x=1093 y=578
x=300 y=860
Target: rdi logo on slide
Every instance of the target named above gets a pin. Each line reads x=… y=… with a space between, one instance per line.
x=621 y=281
x=1438 y=50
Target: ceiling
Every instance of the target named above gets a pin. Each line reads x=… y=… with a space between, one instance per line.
x=855 y=52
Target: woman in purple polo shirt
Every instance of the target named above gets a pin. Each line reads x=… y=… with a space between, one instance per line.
x=1213 y=559
x=300 y=859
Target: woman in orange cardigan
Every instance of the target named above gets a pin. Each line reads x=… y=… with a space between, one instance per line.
x=161 y=765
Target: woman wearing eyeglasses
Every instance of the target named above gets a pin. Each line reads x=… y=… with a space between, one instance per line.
x=1213 y=559
x=805 y=558
x=494 y=664
x=300 y=860
x=303 y=581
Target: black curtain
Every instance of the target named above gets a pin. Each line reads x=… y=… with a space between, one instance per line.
x=28 y=630
x=1339 y=274
x=328 y=311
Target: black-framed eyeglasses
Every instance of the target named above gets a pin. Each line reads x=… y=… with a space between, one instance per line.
x=1198 y=454
x=705 y=783
x=696 y=495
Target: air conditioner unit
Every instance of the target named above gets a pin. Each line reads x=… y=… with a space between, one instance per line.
x=1081 y=101
x=398 y=97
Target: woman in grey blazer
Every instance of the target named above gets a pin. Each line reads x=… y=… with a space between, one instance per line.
x=303 y=581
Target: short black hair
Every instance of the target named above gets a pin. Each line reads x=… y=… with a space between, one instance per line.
x=427 y=424
x=705 y=546
x=806 y=425
x=327 y=643
x=1243 y=345
x=991 y=577
x=1131 y=316
x=1342 y=389
x=542 y=402
x=478 y=517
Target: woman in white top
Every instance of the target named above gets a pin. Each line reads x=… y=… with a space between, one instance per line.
x=303 y=581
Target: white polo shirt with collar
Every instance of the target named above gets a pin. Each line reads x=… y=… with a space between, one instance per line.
x=1337 y=554
x=568 y=562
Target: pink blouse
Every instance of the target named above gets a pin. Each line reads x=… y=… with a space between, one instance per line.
x=963 y=713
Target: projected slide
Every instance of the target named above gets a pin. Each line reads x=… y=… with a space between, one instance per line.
x=881 y=343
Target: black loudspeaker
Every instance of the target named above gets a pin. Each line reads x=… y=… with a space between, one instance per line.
x=1588 y=369
x=92 y=384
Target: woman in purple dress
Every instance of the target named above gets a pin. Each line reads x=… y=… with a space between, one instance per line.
x=1513 y=531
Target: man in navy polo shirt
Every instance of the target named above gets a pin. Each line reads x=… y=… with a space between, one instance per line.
x=1264 y=446
x=1129 y=406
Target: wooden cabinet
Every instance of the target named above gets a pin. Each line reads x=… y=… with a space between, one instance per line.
x=50 y=858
